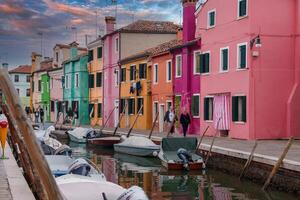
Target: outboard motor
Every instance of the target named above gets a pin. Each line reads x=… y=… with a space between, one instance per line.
x=63 y=150
x=185 y=156
x=80 y=167
x=91 y=134
x=133 y=193
x=48 y=150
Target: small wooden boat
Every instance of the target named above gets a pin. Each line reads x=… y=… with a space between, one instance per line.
x=137 y=146
x=168 y=153
x=80 y=135
x=105 y=141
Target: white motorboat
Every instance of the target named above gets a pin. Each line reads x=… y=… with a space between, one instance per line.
x=137 y=146
x=76 y=187
x=80 y=135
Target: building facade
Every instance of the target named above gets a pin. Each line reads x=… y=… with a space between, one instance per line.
x=250 y=79
x=21 y=77
x=45 y=95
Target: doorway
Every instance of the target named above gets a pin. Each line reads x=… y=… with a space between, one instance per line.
x=116 y=113
x=161 y=117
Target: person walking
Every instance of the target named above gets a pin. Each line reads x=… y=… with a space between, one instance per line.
x=42 y=116
x=170 y=118
x=36 y=115
x=185 y=120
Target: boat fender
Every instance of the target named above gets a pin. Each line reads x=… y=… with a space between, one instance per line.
x=133 y=193
x=123 y=138
x=155 y=153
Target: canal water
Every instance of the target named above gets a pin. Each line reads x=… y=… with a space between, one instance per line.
x=158 y=183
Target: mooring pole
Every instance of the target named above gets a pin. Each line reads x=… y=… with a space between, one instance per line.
x=250 y=158
x=212 y=143
x=119 y=122
x=279 y=162
x=111 y=112
x=202 y=138
x=153 y=125
x=137 y=116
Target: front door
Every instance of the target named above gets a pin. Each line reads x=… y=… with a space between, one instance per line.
x=116 y=117
x=161 y=117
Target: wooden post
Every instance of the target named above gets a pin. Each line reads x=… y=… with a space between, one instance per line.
x=202 y=137
x=137 y=116
x=39 y=162
x=153 y=125
x=107 y=119
x=212 y=143
x=249 y=160
x=279 y=162
x=119 y=122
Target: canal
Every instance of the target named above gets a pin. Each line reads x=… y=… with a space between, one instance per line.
x=158 y=183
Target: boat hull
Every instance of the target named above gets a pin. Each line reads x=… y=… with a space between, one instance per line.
x=137 y=151
x=77 y=140
x=105 y=141
x=179 y=166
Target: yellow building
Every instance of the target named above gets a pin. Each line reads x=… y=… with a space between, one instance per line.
x=135 y=91
x=95 y=67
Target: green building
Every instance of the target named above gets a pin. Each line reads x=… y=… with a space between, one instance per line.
x=76 y=89
x=45 y=95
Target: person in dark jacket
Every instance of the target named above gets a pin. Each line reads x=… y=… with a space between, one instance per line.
x=185 y=120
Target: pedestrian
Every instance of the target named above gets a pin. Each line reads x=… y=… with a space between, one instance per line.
x=185 y=120
x=36 y=115
x=170 y=119
x=42 y=116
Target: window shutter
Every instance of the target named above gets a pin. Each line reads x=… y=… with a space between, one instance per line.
x=206 y=62
x=244 y=108
x=243 y=8
x=99 y=110
x=202 y=63
x=206 y=108
x=235 y=109
x=243 y=56
x=212 y=19
x=225 y=59
x=99 y=52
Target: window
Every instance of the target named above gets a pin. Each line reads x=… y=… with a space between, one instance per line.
x=123 y=75
x=39 y=85
x=155 y=73
x=28 y=78
x=239 y=111
x=178 y=66
x=197 y=67
x=76 y=80
x=122 y=105
x=91 y=80
x=143 y=71
x=131 y=107
x=169 y=105
x=52 y=106
x=99 y=52
x=51 y=83
x=62 y=81
x=67 y=81
x=242 y=56
x=90 y=55
x=205 y=63
x=56 y=56
x=155 y=110
x=208 y=108
x=99 y=79
x=196 y=105
x=132 y=73
x=224 y=59
x=116 y=77
x=18 y=91
x=211 y=18
x=99 y=110
x=16 y=78
x=242 y=8
x=169 y=70
x=91 y=110
x=27 y=92
x=117 y=44
x=140 y=103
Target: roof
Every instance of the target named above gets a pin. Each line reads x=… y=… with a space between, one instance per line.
x=45 y=65
x=144 y=26
x=187 y=44
x=95 y=43
x=22 y=69
x=67 y=46
x=155 y=51
x=75 y=58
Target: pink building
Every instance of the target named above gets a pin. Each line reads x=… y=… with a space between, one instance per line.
x=122 y=43
x=186 y=68
x=250 y=67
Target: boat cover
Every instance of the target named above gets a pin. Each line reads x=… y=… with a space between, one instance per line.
x=137 y=141
x=173 y=144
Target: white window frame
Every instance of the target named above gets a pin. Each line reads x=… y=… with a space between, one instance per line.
x=221 y=60
x=117 y=44
x=67 y=81
x=169 y=101
x=137 y=110
x=208 y=18
x=194 y=70
x=167 y=71
x=145 y=70
x=135 y=106
x=123 y=67
x=76 y=80
x=238 y=10
x=240 y=95
x=176 y=63
x=209 y=64
x=153 y=110
x=134 y=65
x=117 y=78
x=209 y=121
x=198 y=95
x=155 y=73
x=238 y=68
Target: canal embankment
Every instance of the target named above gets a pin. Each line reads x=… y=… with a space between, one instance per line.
x=13 y=185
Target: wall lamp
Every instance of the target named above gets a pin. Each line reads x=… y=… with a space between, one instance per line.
x=256 y=41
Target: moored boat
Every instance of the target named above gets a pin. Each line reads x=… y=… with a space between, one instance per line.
x=169 y=158
x=80 y=135
x=137 y=146
x=105 y=141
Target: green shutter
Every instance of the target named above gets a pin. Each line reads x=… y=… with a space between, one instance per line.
x=244 y=108
x=99 y=52
x=206 y=60
x=243 y=56
x=243 y=8
x=235 y=108
x=225 y=59
x=99 y=110
x=202 y=63
x=206 y=108
x=212 y=18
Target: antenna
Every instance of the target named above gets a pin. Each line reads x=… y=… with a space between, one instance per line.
x=96 y=12
x=74 y=30
x=41 y=34
x=116 y=9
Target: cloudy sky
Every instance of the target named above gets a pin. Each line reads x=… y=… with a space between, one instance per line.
x=24 y=22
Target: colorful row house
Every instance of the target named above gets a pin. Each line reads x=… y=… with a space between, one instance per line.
x=122 y=43
x=76 y=88
x=250 y=73
x=95 y=68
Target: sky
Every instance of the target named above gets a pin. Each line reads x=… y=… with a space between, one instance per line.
x=37 y=25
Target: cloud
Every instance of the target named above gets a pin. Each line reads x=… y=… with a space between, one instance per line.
x=153 y=1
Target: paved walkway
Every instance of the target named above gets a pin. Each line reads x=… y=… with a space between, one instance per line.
x=4 y=186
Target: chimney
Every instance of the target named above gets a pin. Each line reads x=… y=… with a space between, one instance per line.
x=189 y=19
x=74 y=49
x=5 y=66
x=36 y=60
x=110 y=24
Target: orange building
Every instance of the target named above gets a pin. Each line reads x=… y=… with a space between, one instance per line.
x=162 y=77
x=95 y=67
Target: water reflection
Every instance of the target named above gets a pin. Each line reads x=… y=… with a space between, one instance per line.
x=159 y=183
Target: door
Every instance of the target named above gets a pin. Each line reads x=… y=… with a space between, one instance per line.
x=161 y=117
x=116 y=113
